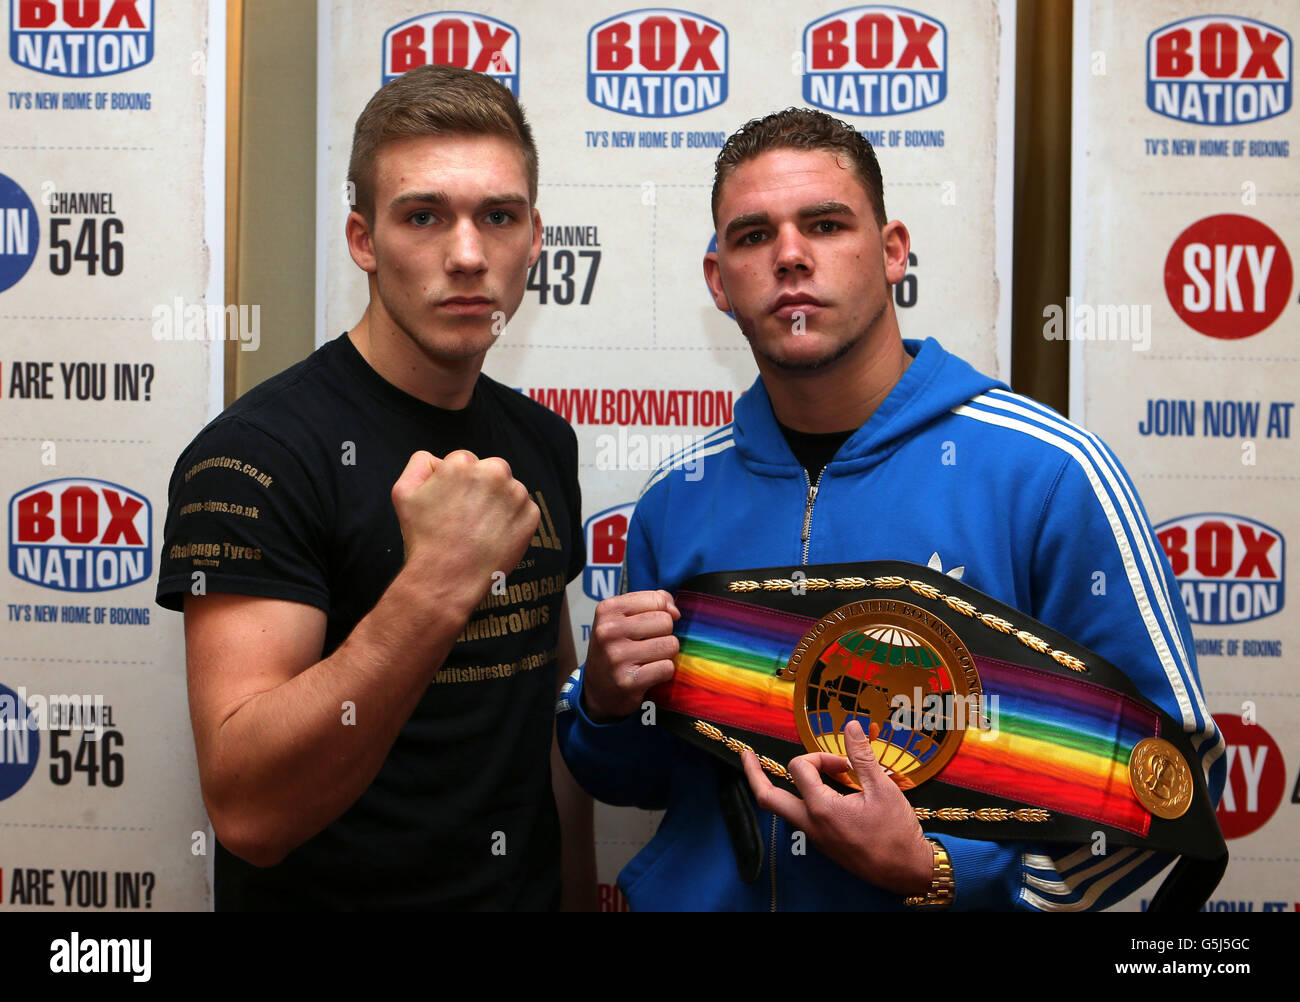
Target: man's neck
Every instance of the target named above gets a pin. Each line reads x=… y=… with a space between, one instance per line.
x=392 y=354
x=843 y=395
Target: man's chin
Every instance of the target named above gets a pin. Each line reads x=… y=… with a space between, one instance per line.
x=455 y=349
x=804 y=360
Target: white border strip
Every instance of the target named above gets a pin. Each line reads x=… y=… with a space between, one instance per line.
x=1079 y=140
x=324 y=90
x=214 y=233
x=1004 y=196
x=214 y=195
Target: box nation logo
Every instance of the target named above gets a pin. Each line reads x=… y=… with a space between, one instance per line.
x=875 y=61
x=1219 y=70
x=454 y=38
x=657 y=63
x=1230 y=569
x=81 y=38
x=77 y=534
x=606 y=534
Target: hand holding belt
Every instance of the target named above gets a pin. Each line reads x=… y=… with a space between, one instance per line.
x=994 y=725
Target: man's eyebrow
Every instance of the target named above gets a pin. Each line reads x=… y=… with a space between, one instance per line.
x=825 y=209
x=440 y=198
x=748 y=219
x=828 y=208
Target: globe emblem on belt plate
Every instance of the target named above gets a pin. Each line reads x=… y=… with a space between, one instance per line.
x=896 y=669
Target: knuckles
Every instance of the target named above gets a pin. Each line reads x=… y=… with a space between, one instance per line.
x=662 y=622
x=460 y=459
x=605 y=631
x=495 y=469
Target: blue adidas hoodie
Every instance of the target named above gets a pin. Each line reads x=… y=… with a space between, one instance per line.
x=952 y=470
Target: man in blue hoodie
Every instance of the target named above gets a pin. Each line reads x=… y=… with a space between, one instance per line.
x=856 y=445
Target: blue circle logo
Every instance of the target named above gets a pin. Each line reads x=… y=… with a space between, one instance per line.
x=20 y=232
x=20 y=743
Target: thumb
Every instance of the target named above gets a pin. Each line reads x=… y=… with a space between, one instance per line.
x=857 y=747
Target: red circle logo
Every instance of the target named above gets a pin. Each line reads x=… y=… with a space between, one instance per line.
x=1228 y=276
x=1256 y=777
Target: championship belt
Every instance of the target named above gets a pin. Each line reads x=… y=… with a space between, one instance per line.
x=995 y=726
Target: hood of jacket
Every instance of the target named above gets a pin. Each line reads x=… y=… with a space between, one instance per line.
x=933 y=385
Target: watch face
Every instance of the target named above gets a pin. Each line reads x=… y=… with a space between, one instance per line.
x=899 y=671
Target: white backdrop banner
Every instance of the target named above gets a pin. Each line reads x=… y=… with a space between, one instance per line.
x=1182 y=319
x=111 y=201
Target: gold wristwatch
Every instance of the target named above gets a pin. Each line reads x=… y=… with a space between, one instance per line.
x=942 y=885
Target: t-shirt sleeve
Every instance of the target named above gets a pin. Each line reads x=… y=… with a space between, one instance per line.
x=243 y=517
x=578 y=559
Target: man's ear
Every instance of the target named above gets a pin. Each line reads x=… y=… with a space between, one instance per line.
x=713 y=276
x=895 y=244
x=536 y=250
x=361 y=244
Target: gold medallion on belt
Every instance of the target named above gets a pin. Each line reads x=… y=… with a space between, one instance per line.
x=1161 y=778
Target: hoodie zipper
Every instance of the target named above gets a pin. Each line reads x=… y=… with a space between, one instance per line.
x=808 y=510
x=807 y=544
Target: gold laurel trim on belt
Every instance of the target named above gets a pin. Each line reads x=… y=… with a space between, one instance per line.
x=893 y=581
x=738 y=746
x=982 y=814
x=922 y=813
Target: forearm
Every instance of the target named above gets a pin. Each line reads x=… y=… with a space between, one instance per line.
x=288 y=761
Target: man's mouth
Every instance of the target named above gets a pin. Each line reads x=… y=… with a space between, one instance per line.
x=467 y=305
x=791 y=303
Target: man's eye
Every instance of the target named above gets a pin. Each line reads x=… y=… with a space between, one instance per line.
x=827 y=226
x=753 y=237
x=499 y=217
x=422 y=218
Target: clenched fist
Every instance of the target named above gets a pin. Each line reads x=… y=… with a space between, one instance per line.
x=463 y=518
x=631 y=651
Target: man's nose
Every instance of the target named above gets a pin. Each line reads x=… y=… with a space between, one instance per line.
x=792 y=250
x=466 y=251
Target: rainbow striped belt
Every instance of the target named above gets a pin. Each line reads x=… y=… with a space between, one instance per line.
x=994 y=725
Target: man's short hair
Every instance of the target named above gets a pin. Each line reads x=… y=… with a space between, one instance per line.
x=435 y=101
x=801 y=129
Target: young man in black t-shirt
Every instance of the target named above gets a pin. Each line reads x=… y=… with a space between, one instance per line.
x=372 y=676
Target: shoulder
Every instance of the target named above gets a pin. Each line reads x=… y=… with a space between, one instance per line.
x=1024 y=429
x=521 y=408
x=304 y=389
x=1023 y=423
x=529 y=421
x=290 y=412
x=682 y=465
x=1089 y=487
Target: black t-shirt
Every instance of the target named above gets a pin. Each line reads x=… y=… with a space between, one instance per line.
x=813 y=450
x=286 y=495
